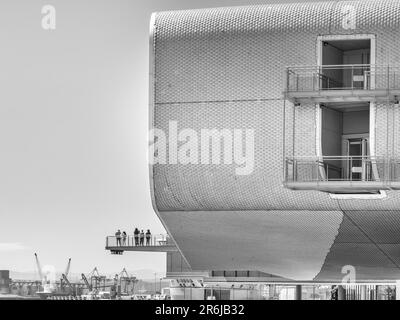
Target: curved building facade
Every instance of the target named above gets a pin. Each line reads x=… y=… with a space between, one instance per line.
x=308 y=93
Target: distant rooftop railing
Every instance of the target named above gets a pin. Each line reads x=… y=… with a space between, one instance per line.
x=331 y=78
x=361 y=172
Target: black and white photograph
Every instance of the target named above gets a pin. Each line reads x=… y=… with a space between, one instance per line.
x=215 y=152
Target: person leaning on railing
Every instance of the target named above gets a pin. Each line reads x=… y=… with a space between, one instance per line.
x=118 y=237
x=124 y=236
x=141 y=237
x=148 y=237
x=136 y=236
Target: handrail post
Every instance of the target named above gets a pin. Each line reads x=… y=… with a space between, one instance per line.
x=351 y=168
x=327 y=172
x=320 y=84
x=286 y=170
x=352 y=77
x=287 y=79
x=313 y=79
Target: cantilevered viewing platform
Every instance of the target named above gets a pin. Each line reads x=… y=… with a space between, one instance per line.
x=157 y=243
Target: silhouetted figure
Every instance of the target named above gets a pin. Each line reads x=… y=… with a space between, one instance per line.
x=124 y=235
x=148 y=237
x=118 y=236
x=141 y=237
x=136 y=236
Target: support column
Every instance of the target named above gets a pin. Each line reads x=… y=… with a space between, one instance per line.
x=341 y=293
x=363 y=292
x=397 y=289
x=297 y=295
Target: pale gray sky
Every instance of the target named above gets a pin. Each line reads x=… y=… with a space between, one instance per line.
x=73 y=131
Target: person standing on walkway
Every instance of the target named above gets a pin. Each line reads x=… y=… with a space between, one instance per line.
x=141 y=238
x=148 y=237
x=136 y=236
x=118 y=237
x=124 y=238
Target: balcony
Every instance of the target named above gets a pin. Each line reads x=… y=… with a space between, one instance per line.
x=157 y=243
x=340 y=83
x=342 y=174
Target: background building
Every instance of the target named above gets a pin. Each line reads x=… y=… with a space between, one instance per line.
x=5 y=281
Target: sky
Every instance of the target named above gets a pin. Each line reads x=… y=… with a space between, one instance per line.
x=73 y=131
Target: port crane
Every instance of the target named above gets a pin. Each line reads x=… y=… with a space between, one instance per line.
x=96 y=280
x=64 y=277
x=85 y=280
x=124 y=280
x=51 y=285
x=65 y=280
x=39 y=267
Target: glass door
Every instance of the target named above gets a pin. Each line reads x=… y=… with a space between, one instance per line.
x=356 y=165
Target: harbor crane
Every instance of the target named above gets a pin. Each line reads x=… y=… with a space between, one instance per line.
x=64 y=277
x=96 y=280
x=65 y=280
x=39 y=267
x=85 y=280
x=125 y=280
x=44 y=279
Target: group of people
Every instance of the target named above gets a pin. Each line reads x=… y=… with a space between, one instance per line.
x=139 y=237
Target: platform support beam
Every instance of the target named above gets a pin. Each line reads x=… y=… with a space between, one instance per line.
x=397 y=289
x=298 y=292
x=341 y=293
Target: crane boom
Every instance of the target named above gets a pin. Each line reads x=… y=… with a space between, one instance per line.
x=86 y=282
x=67 y=281
x=68 y=267
x=39 y=267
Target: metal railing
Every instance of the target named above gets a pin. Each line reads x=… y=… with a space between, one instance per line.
x=342 y=168
x=132 y=241
x=342 y=77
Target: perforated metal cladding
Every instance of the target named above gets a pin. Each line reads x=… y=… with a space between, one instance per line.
x=369 y=241
x=375 y=16
x=218 y=187
x=228 y=67
x=290 y=244
x=224 y=68
x=387 y=136
x=240 y=55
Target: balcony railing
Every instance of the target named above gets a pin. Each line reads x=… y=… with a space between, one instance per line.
x=343 y=77
x=347 y=171
x=157 y=243
x=347 y=79
x=130 y=241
